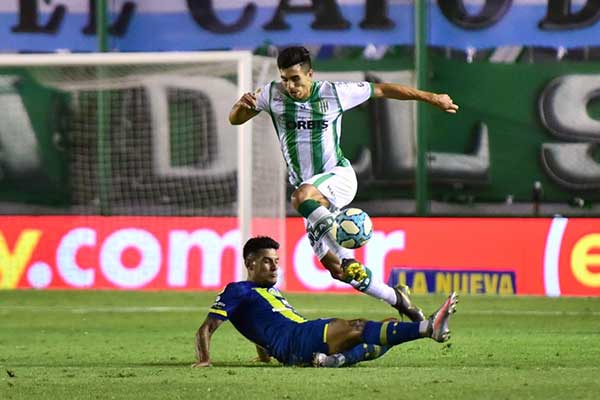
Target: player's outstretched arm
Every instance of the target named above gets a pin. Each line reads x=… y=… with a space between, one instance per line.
x=244 y=109
x=203 y=336
x=401 y=92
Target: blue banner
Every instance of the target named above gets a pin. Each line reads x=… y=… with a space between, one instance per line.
x=493 y=23
x=158 y=25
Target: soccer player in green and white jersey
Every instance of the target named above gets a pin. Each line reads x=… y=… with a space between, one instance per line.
x=307 y=116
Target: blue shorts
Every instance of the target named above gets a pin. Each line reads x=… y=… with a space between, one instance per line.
x=305 y=340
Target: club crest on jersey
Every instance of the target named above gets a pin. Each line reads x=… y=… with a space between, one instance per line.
x=307 y=124
x=323 y=106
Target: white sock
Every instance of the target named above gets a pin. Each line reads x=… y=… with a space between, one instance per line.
x=424 y=328
x=381 y=291
x=318 y=214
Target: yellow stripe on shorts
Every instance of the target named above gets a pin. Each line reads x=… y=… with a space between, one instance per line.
x=325 y=332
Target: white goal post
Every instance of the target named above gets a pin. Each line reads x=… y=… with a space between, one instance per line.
x=148 y=134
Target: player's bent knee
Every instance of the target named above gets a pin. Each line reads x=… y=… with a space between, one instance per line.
x=304 y=193
x=300 y=195
x=357 y=327
x=357 y=323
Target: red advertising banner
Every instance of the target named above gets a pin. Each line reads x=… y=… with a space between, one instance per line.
x=452 y=244
x=470 y=255
x=118 y=252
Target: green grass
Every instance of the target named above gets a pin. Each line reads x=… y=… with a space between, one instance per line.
x=120 y=345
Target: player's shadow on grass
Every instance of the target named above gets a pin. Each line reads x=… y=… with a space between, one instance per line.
x=221 y=364
x=119 y=364
x=246 y=364
x=163 y=364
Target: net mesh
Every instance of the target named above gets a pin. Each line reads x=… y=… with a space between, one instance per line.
x=167 y=147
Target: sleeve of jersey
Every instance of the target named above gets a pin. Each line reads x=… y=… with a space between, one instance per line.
x=351 y=94
x=226 y=302
x=263 y=96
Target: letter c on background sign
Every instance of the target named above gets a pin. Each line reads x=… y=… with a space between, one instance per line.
x=66 y=257
x=308 y=274
x=204 y=14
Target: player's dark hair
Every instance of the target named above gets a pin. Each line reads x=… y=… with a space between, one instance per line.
x=294 y=55
x=259 y=243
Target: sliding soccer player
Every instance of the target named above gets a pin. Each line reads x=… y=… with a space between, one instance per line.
x=261 y=314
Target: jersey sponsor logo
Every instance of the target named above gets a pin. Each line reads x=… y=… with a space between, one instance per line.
x=307 y=124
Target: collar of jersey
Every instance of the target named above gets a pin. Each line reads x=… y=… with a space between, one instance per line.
x=254 y=284
x=314 y=93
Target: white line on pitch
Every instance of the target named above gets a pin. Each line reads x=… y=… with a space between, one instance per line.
x=322 y=311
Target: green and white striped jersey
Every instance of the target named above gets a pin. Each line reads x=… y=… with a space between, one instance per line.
x=309 y=131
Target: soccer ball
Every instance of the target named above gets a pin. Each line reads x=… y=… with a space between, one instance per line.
x=354 y=228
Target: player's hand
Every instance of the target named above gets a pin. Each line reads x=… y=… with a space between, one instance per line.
x=201 y=364
x=248 y=100
x=445 y=103
x=259 y=359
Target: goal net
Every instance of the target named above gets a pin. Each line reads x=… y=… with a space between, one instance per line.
x=139 y=134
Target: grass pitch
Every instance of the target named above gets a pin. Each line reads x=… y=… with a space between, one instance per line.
x=141 y=345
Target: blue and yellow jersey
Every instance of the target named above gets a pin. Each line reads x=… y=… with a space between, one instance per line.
x=261 y=314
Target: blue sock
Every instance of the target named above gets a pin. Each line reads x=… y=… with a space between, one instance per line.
x=390 y=332
x=364 y=352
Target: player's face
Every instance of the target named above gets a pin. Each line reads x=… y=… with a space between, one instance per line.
x=263 y=267
x=297 y=81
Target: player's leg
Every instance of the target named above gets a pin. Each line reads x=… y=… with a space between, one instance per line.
x=340 y=263
x=359 y=353
x=360 y=277
x=343 y=335
x=313 y=200
x=343 y=267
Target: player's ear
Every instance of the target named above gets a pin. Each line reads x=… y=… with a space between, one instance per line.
x=250 y=263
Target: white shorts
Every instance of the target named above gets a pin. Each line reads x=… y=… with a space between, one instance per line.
x=339 y=186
